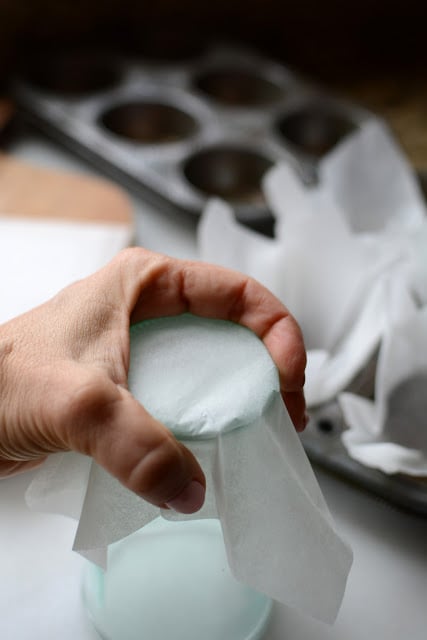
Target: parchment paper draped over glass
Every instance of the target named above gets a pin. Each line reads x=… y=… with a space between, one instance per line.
x=214 y=384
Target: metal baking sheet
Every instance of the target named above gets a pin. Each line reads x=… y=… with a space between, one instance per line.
x=322 y=443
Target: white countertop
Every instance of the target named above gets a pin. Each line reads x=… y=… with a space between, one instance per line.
x=40 y=577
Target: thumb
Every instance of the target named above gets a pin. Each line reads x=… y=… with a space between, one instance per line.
x=144 y=456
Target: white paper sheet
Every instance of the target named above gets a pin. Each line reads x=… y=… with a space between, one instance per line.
x=214 y=384
x=391 y=434
x=38 y=258
x=343 y=249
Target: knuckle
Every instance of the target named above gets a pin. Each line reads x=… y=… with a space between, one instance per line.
x=130 y=256
x=82 y=409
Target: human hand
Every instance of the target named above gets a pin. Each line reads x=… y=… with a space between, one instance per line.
x=64 y=365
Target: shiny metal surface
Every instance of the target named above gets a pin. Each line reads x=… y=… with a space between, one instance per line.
x=165 y=129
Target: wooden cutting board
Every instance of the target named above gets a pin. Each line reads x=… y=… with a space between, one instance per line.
x=27 y=190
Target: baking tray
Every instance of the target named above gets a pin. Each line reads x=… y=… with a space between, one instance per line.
x=322 y=443
x=180 y=133
x=184 y=132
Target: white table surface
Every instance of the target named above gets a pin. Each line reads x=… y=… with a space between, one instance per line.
x=40 y=577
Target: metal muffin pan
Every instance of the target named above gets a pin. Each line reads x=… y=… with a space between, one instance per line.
x=181 y=133
x=187 y=131
x=323 y=445
x=322 y=442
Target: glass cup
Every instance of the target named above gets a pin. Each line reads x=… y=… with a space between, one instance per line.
x=171 y=580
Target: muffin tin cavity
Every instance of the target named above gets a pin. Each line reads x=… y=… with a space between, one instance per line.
x=314 y=129
x=148 y=122
x=228 y=172
x=184 y=131
x=238 y=87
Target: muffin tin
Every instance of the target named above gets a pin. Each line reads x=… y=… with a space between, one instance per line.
x=210 y=126
x=181 y=133
x=323 y=445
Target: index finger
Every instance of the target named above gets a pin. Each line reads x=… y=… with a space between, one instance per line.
x=157 y=285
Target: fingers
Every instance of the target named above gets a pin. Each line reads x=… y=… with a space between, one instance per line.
x=295 y=404
x=108 y=424
x=148 y=460
x=285 y=343
x=12 y=468
x=156 y=285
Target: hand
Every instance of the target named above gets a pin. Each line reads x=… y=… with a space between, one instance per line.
x=64 y=365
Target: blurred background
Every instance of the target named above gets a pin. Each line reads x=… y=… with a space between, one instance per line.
x=372 y=52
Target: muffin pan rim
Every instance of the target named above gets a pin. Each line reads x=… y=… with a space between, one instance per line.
x=77 y=121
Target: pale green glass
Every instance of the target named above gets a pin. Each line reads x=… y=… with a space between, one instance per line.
x=171 y=580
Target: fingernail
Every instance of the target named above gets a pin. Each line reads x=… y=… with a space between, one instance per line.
x=190 y=499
